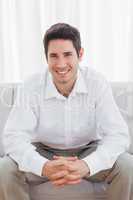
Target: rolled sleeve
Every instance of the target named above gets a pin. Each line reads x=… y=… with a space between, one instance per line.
x=18 y=135
x=113 y=132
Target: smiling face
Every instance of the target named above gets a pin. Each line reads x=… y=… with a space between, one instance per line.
x=63 y=61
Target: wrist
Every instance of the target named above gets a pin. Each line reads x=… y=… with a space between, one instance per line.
x=87 y=169
x=44 y=169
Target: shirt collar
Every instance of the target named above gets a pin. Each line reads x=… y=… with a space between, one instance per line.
x=80 y=85
x=52 y=92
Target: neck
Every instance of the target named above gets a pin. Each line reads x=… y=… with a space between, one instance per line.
x=65 y=88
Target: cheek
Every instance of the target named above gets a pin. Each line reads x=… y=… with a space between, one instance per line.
x=51 y=63
x=51 y=66
x=75 y=66
x=51 y=69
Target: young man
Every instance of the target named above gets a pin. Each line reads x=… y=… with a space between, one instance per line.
x=65 y=126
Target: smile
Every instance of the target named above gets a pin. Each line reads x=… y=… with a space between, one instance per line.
x=63 y=72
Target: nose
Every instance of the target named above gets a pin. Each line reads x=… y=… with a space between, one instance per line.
x=61 y=63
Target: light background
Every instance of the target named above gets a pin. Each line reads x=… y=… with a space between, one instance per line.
x=106 y=28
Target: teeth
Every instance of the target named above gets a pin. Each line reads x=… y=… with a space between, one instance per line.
x=62 y=72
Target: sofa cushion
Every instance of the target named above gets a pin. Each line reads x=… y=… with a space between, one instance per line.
x=6 y=101
x=123 y=94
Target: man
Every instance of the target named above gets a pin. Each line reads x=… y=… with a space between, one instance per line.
x=65 y=126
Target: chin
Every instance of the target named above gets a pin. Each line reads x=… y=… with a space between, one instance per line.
x=63 y=81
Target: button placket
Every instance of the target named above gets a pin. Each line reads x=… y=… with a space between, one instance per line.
x=68 y=122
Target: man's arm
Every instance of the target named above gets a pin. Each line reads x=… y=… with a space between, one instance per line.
x=17 y=135
x=112 y=129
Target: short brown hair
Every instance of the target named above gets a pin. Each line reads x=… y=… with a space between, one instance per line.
x=62 y=31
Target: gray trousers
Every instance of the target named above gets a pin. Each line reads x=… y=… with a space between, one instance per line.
x=14 y=184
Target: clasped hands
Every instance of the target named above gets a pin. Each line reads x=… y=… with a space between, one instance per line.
x=65 y=170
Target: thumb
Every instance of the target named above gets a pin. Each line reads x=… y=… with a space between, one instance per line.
x=70 y=158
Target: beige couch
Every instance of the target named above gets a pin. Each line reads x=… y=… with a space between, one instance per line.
x=123 y=94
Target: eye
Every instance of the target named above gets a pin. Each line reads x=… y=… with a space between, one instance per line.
x=53 y=56
x=67 y=54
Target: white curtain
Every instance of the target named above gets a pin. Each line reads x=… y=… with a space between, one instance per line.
x=106 y=28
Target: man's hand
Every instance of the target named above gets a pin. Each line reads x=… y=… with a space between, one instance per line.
x=55 y=169
x=77 y=169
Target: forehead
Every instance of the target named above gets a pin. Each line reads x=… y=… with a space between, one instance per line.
x=60 y=45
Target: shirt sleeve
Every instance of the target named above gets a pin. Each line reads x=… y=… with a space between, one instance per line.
x=112 y=129
x=19 y=132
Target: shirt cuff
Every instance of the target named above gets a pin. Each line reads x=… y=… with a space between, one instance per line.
x=96 y=164
x=34 y=164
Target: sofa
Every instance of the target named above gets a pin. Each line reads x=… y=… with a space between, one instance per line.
x=123 y=94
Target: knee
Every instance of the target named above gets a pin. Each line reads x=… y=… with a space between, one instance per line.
x=125 y=164
x=7 y=169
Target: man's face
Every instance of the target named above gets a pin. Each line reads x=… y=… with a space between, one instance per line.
x=63 y=61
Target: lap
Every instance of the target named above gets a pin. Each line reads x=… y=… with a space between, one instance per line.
x=123 y=165
x=7 y=164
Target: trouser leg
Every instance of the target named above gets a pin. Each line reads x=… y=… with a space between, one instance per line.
x=13 y=185
x=119 y=179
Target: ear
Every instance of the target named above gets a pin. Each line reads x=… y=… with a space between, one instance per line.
x=81 y=52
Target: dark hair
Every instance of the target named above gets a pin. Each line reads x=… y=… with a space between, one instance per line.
x=62 y=31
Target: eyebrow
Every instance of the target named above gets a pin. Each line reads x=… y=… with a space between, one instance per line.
x=65 y=52
x=53 y=54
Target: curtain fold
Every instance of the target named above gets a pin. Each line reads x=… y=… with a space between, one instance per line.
x=106 y=28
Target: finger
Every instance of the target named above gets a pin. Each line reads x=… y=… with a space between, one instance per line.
x=69 y=183
x=72 y=177
x=71 y=167
x=58 y=157
x=59 y=162
x=73 y=182
x=58 y=175
x=59 y=182
x=71 y=158
x=62 y=168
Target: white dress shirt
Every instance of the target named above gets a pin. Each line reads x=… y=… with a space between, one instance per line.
x=42 y=114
